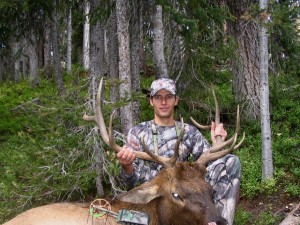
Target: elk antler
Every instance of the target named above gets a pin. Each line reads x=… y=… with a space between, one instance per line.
x=217 y=118
x=109 y=140
x=216 y=151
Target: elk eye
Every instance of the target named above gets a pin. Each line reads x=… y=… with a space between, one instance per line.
x=176 y=195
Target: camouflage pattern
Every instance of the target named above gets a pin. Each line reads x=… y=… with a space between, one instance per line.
x=131 y=217
x=163 y=83
x=193 y=144
x=222 y=174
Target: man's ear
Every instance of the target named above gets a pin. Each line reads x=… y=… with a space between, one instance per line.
x=151 y=101
x=176 y=100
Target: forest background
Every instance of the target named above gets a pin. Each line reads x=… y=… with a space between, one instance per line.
x=53 y=54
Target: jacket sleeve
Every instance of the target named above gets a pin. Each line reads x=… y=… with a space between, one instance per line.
x=198 y=144
x=132 y=180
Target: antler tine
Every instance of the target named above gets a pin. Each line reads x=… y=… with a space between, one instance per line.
x=241 y=141
x=218 y=147
x=152 y=156
x=138 y=154
x=174 y=158
x=238 y=120
x=112 y=142
x=217 y=117
x=222 y=144
x=177 y=144
x=108 y=136
x=166 y=162
x=208 y=156
x=203 y=127
x=216 y=151
x=98 y=118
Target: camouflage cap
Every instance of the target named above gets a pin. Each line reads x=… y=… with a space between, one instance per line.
x=163 y=83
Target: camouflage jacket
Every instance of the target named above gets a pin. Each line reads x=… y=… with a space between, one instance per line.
x=192 y=145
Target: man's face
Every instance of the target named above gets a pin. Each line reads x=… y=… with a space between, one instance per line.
x=163 y=103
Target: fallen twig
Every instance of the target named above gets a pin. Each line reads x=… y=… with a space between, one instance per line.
x=35 y=101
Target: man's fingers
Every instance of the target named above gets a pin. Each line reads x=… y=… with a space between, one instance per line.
x=213 y=126
x=126 y=156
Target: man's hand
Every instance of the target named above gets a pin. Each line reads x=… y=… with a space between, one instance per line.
x=217 y=131
x=126 y=157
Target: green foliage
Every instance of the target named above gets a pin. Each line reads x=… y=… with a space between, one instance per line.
x=250 y=156
x=285 y=145
x=43 y=155
x=285 y=127
x=146 y=110
x=269 y=186
x=206 y=52
x=242 y=217
x=265 y=218
x=200 y=104
x=284 y=44
x=292 y=189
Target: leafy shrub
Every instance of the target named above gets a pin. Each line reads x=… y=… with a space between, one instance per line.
x=242 y=217
x=293 y=189
x=43 y=154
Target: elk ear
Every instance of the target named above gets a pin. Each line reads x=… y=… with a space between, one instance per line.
x=140 y=195
x=201 y=169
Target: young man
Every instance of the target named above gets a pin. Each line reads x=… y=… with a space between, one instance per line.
x=160 y=135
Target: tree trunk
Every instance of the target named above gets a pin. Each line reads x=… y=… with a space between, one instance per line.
x=86 y=36
x=1 y=66
x=17 y=63
x=158 y=43
x=48 y=66
x=8 y=62
x=113 y=53
x=267 y=161
x=97 y=65
x=69 y=42
x=135 y=55
x=142 y=53
x=97 y=62
x=124 y=64
x=174 y=43
x=24 y=58
x=33 y=60
x=56 y=55
x=40 y=51
x=245 y=66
